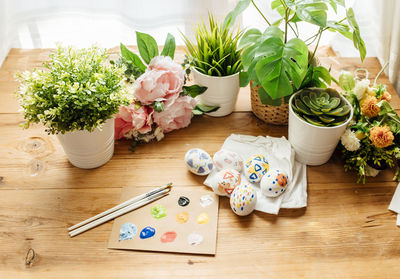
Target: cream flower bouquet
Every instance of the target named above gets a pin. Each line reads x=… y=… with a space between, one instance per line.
x=371 y=141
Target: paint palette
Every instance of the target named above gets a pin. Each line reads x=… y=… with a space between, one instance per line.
x=185 y=221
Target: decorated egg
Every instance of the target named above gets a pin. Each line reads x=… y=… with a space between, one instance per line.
x=226 y=181
x=243 y=199
x=274 y=183
x=255 y=168
x=226 y=159
x=198 y=161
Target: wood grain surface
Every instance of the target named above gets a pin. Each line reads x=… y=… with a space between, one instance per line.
x=346 y=230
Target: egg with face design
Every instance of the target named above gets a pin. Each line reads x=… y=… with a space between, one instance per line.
x=198 y=161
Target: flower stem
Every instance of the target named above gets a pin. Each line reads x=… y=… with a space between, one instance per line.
x=254 y=4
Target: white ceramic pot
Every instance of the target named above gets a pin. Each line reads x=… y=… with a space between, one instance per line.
x=221 y=91
x=88 y=150
x=314 y=145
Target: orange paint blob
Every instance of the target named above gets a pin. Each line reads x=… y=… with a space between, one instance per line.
x=168 y=237
x=182 y=217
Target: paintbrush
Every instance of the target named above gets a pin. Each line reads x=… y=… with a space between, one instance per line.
x=120 y=209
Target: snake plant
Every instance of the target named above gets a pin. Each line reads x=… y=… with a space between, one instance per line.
x=321 y=107
x=215 y=51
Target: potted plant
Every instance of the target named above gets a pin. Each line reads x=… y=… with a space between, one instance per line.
x=75 y=97
x=278 y=66
x=216 y=63
x=317 y=119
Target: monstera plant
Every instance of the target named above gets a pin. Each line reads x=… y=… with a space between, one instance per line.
x=277 y=59
x=321 y=107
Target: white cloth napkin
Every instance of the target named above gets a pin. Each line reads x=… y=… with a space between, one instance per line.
x=279 y=154
x=395 y=204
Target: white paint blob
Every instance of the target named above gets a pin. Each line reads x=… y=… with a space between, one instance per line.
x=206 y=200
x=195 y=239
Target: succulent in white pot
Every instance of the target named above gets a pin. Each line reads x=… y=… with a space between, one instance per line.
x=317 y=119
x=75 y=97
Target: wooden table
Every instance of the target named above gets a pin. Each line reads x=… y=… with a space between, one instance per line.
x=346 y=230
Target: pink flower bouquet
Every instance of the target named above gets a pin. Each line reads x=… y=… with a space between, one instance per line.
x=161 y=102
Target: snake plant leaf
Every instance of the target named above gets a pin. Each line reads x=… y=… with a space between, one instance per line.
x=323 y=107
x=282 y=64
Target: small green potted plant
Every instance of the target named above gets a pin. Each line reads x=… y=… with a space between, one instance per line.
x=317 y=119
x=75 y=96
x=278 y=66
x=215 y=61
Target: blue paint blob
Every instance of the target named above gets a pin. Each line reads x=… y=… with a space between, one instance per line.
x=210 y=166
x=190 y=163
x=127 y=231
x=201 y=170
x=147 y=232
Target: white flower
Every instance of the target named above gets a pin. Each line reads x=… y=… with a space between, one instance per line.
x=370 y=171
x=361 y=88
x=350 y=141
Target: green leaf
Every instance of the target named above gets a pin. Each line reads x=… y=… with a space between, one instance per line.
x=244 y=79
x=310 y=11
x=232 y=15
x=147 y=46
x=129 y=55
x=206 y=108
x=281 y=65
x=266 y=99
x=197 y=112
x=251 y=36
x=169 y=46
x=357 y=40
x=193 y=90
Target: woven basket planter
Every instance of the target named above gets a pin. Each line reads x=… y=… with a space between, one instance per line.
x=277 y=115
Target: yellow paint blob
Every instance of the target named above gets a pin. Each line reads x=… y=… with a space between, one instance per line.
x=182 y=217
x=202 y=218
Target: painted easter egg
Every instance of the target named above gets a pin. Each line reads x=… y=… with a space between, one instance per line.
x=256 y=167
x=274 y=183
x=243 y=199
x=198 y=161
x=226 y=181
x=226 y=159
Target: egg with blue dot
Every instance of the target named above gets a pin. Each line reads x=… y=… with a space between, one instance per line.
x=198 y=161
x=274 y=183
x=243 y=199
x=256 y=167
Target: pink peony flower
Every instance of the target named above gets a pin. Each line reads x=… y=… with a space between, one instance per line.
x=162 y=80
x=176 y=115
x=133 y=118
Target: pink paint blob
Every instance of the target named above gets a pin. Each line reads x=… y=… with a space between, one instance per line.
x=168 y=237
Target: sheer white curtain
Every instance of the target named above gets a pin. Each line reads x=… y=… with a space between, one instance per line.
x=42 y=23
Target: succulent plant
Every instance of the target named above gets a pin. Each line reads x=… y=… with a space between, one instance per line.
x=321 y=107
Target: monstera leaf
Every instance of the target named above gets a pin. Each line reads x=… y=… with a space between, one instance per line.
x=282 y=66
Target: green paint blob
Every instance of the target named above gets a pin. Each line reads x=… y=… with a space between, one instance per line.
x=158 y=211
